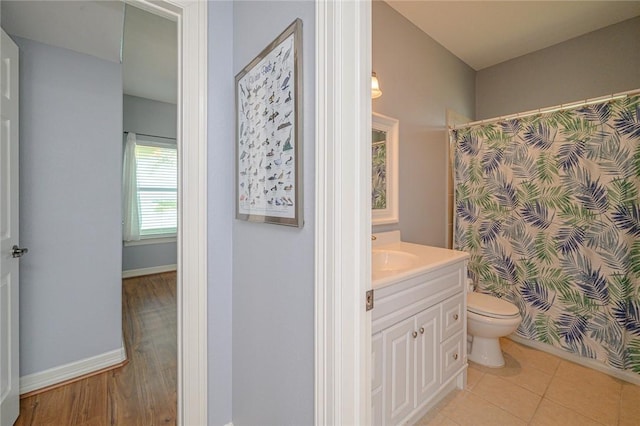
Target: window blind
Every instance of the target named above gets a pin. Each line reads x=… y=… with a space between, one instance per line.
x=157 y=180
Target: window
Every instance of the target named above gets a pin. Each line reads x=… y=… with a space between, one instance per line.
x=157 y=182
x=149 y=189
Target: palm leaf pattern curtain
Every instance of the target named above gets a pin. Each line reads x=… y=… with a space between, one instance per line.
x=547 y=206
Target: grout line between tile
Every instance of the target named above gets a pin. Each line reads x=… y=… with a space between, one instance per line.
x=533 y=416
x=574 y=411
x=481 y=396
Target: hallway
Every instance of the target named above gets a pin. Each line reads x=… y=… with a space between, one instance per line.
x=142 y=392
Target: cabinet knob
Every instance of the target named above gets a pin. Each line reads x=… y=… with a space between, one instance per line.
x=455 y=356
x=421 y=330
x=414 y=334
x=455 y=317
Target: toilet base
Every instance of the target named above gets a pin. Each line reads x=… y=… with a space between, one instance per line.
x=486 y=351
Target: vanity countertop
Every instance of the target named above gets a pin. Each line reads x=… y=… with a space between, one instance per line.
x=412 y=260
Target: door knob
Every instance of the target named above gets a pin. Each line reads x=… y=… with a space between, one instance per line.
x=18 y=252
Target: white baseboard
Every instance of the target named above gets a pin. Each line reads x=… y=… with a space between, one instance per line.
x=130 y=273
x=587 y=362
x=63 y=373
x=229 y=424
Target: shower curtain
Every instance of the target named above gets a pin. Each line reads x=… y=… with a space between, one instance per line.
x=548 y=208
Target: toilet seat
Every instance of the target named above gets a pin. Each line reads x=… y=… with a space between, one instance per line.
x=490 y=306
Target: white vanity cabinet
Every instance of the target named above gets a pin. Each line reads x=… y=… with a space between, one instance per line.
x=418 y=343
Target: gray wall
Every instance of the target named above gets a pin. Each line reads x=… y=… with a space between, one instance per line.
x=220 y=210
x=142 y=115
x=273 y=281
x=420 y=79
x=155 y=118
x=70 y=162
x=596 y=64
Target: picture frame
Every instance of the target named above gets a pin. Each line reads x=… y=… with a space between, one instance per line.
x=384 y=169
x=268 y=94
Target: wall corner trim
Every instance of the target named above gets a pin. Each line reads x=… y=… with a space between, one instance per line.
x=343 y=213
x=72 y=370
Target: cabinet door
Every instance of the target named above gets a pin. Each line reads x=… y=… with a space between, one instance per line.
x=427 y=354
x=399 y=348
x=376 y=379
x=376 y=407
x=376 y=361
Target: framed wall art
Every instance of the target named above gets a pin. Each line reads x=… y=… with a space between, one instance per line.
x=384 y=169
x=269 y=133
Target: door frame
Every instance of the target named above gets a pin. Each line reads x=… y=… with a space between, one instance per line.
x=191 y=19
x=343 y=212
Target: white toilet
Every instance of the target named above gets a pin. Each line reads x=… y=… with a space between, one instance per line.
x=488 y=319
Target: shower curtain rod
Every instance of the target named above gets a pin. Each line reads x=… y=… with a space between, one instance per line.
x=560 y=107
x=151 y=136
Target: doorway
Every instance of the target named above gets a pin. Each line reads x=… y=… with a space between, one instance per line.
x=150 y=226
x=191 y=239
x=192 y=213
x=149 y=106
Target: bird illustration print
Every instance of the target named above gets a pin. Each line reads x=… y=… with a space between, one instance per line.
x=285 y=83
x=266 y=133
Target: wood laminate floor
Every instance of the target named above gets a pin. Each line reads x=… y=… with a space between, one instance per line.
x=143 y=392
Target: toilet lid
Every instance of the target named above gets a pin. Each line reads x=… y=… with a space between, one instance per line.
x=490 y=306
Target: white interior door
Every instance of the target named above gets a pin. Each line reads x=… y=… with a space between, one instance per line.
x=9 y=371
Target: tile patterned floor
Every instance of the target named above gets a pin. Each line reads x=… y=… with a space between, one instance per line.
x=536 y=388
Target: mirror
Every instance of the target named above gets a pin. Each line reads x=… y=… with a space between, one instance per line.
x=384 y=169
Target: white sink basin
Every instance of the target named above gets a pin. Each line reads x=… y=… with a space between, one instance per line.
x=393 y=260
x=389 y=261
